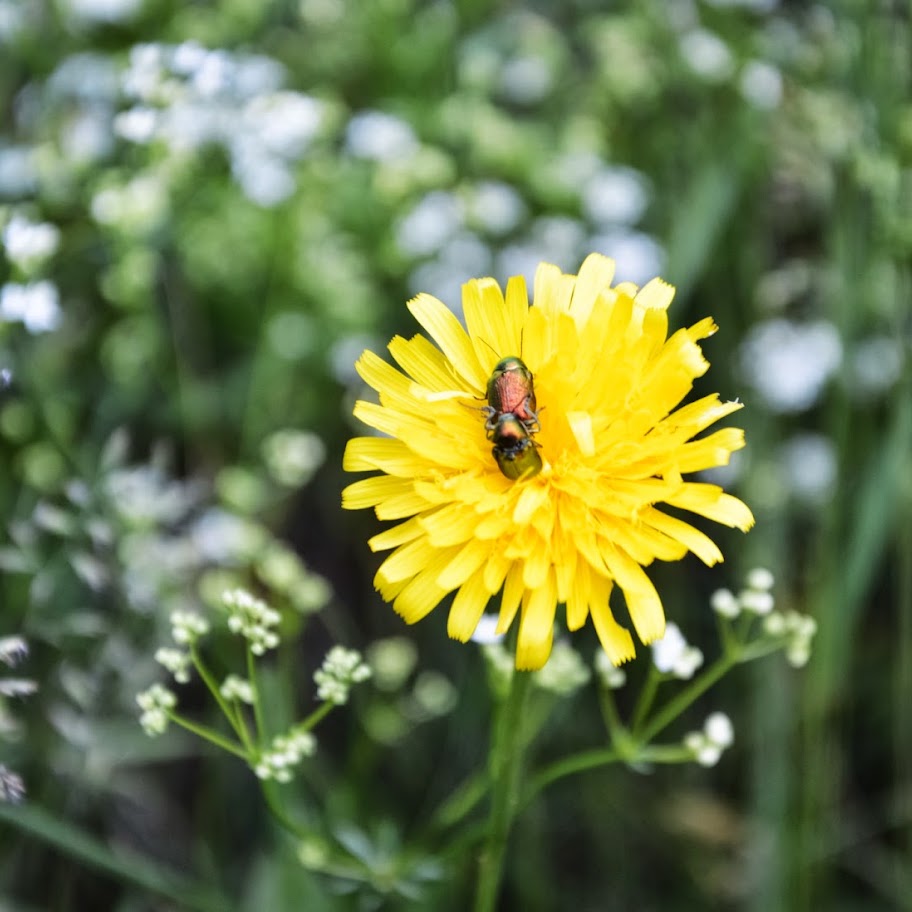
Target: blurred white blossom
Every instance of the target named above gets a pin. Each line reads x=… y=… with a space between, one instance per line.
x=380 y=136
x=707 y=745
x=29 y=243
x=35 y=305
x=496 y=207
x=525 y=80
x=639 y=257
x=293 y=456
x=486 y=630
x=707 y=55
x=615 y=196
x=188 y=96
x=564 y=672
x=876 y=364
x=789 y=363
x=100 y=11
x=430 y=223
x=609 y=674
x=672 y=654
x=807 y=464
x=761 y=84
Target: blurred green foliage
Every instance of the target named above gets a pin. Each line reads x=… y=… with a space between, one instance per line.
x=209 y=209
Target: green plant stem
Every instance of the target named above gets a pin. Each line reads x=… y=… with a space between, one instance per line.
x=212 y=685
x=319 y=713
x=279 y=815
x=676 y=705
x=568 y=766
x=460 y=802
x=646 y=698
x=207 y=734
x=257 y=702
x=505 y=764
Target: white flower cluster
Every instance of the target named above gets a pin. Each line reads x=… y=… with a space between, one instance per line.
x=155 y=703
x=672 y=654
x=187 y=627
x=177 y=661
x=564 y=672
x=756 y=597
x=341 y=668
x=609 y=674
x=187 y=96
x=237 y=688
x=707 y=745
x=797 y=630
x=253 y=619
x=285 y=752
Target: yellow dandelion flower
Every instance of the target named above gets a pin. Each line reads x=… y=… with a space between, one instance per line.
x=612 y=442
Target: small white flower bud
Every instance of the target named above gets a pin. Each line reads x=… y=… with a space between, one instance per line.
x=719 y=730
x=759 y=603
x=724 y=603
x=609 y=674
x=760 y=579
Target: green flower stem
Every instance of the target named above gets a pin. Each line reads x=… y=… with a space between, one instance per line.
x=257 y=702
x=611 y=716
x=578 y=763
x=675 y=706
x=207 y=734
x=646 y=698
x=505 y=764
x=461 y=802
x=233 y=718
x=279 y=815
x=319 y=713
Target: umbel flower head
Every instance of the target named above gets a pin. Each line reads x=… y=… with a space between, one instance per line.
x=613 y=444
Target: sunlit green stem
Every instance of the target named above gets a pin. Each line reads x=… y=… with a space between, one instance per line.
x=506 y=763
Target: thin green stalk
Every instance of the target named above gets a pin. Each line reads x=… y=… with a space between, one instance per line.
x=257 y=702
x=646 y=698
x=461 y=802
x=208 y=734
x=279 y=815
x=505 y=763
x=567 y=767
x=676 y=705
x=319 y=713
x=208 y=679
x=611 y=715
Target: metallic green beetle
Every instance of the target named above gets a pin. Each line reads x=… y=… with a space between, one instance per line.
x=514 y=449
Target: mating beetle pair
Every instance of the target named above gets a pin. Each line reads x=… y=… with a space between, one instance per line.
x=512 y=419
